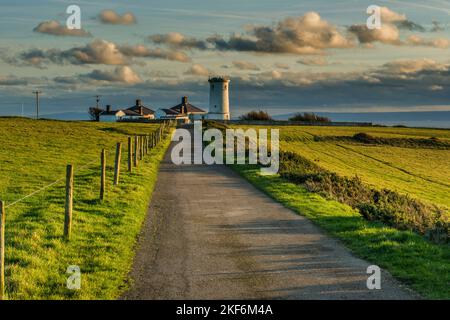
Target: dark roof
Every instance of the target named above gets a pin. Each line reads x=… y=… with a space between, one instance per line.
x=189 y=108
x=170 y=111
x=129 y=112
x=145 y=110
x=109 y=113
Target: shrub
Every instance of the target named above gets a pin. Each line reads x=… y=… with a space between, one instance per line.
x=211 y=124
x=396 y=210
x=364 y=138
x=256 y=115
x=309 y=117
x=429 y=143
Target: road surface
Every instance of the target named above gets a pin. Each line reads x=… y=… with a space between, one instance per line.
x=209 y=234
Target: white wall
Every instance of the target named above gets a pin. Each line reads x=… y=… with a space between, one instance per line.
x=108 y=118
x=219 y=105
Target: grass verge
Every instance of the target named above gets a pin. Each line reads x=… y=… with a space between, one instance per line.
x=421 y=265
x=103 y=233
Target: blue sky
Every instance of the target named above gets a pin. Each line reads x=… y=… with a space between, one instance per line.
x=282 y=56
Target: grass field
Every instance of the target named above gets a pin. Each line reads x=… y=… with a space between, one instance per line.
x=34 y=154
x=423 y=173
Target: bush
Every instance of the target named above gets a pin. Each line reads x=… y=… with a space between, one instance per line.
x=364 y=138
x=211 y=124
x=396 y=210
x=309 y=117
x=429 y=143
x=256 y=115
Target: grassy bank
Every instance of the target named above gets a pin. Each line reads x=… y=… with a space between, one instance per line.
x=400 y=160
x=35 y=153
x=421 y=265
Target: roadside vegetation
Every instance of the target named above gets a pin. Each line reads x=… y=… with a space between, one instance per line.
x=34 y=154
x=365 y=138
x=309 y=117
x=256 y=116
x=396 y=210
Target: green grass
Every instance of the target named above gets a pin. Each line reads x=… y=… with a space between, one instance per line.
x=35 y=153
x=421 y=173
x=423 y=266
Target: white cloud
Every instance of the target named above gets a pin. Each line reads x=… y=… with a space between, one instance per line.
x=436 y=88
x=198 y=70
x=245 y=65
x=389 y=33
x=55 y=28
x=123 y=74
x=315 y=61
x=413 y=66
x=111 y=17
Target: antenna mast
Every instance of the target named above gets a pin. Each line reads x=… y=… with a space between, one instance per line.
x=37 y=92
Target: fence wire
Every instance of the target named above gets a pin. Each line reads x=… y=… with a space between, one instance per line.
x=51 y=184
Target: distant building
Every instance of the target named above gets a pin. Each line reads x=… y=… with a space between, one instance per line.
x=219 y=105
x=111 y=115
x=139 y=111
x=183 y=111
x=136 y=112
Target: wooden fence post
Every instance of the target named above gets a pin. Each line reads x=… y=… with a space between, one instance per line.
x=146 y=144
x=103 y=175
x=69 y=202
x=117 y=163
x=2 y=250
x=135 y=157
x=130 y=154
x=141 y=147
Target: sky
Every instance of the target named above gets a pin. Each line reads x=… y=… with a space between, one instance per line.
x=281 y=56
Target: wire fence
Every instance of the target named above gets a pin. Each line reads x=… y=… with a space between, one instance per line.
x=137 y=148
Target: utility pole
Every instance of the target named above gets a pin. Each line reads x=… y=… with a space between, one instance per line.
x=97 y=108
x=37 y=92
x=97 y=99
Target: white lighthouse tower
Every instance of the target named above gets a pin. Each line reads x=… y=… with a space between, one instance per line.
x=219 y=104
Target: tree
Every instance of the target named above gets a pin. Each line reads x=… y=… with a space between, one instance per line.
x=309 y=117
x=94 y=113
x=256 y=115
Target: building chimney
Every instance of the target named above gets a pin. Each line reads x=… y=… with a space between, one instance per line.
x=184 y=100
x=108 y=108
x=141 y=110
x=138 y=102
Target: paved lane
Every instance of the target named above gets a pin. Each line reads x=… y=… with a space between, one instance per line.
x=209 y=234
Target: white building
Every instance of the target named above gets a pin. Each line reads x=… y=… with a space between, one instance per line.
x=219 y=105
x=139 y=111
x=111 y=115
x=136 y=112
